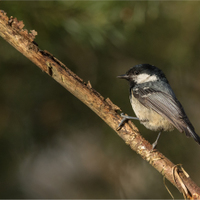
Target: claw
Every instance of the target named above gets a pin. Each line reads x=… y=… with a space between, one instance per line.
x=122 y=122
x=156 y=142
x=125 y=118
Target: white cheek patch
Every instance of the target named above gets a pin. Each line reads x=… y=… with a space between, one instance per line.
x=142 y=78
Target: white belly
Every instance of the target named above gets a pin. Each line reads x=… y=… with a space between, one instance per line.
x=149 y=118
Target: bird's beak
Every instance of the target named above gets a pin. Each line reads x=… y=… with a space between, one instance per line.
x=123 y=76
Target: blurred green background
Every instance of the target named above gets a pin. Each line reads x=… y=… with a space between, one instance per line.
x=51 y=144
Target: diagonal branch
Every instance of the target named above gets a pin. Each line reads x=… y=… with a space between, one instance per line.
x=12 y=31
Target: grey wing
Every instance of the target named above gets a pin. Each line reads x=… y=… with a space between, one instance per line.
x=167 y=106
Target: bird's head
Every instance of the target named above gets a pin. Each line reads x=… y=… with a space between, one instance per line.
x=143 y=73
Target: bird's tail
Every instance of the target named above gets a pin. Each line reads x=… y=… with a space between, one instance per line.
x=191 y=133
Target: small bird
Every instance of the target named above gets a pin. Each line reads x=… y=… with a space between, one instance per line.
x=155 y=103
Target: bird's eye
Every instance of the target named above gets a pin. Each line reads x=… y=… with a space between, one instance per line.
x=136 y=73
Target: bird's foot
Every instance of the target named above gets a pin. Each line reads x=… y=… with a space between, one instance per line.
x=125 y=118
x=156 y=142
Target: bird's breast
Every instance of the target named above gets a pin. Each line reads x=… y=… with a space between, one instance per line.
x=149 y=118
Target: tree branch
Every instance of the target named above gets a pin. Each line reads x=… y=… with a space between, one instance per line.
x=12 y=31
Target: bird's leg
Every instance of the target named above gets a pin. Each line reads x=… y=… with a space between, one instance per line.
x=156 y=142
x=125 y=118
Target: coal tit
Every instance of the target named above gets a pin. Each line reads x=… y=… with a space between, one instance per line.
x=155 y=103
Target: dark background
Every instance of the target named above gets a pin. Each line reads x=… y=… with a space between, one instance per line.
x=51 y=144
